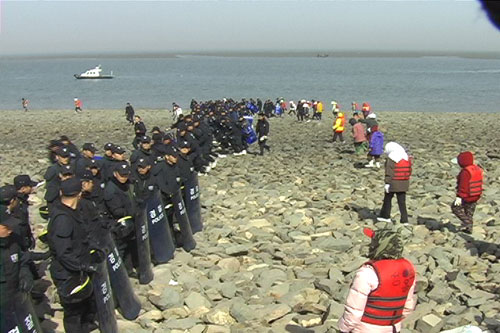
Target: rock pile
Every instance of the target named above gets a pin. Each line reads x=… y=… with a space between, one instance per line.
x=283 y=232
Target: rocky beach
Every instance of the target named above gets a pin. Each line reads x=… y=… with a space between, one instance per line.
x=283 y=232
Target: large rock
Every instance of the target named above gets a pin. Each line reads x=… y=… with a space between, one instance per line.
x=169 y=298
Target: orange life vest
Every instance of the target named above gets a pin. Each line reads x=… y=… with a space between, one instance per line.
x=475 y=187
x=402 y=170
x=385 y=304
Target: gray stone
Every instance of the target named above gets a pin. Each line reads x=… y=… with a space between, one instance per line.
x=196 y=300
x=242 y=312
x=229 y=264
x=169 y=298
x=430 y=324
x=228 y=289
x=237 y=250
x=181 y=324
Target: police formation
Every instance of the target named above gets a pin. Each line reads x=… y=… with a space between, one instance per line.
x=111 y=218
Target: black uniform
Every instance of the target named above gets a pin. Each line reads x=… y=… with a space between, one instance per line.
x=83 y=163
x=129 y=113
x=119 y=202
x=68 y=244
x=15 y=277
x=21 y=212
x=140 y=130
x=53 y=182
x=142 y=153
x=262 y=130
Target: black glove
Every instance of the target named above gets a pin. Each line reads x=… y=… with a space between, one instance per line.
x=88 y=267
x=26 y=283
x=97 y=256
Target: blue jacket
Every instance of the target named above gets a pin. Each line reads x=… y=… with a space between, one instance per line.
x=377 y=143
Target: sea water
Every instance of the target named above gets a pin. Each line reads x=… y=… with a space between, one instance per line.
x=432 y=84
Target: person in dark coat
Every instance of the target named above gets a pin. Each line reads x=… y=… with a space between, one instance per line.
x=139 y=130
x=262 y=130
x=87 y=155
x=52 y=175
x=118 y=198
x=129 y=113
x=72 y=264
x=73 y=150
x=15 y=275
x=144 y=151
x=24 y=187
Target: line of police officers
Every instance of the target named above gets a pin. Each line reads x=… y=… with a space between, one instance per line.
x=87 y=197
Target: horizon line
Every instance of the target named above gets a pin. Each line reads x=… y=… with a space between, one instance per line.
x=261 y=52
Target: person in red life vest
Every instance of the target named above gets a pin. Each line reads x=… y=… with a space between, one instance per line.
x=469 y=190
x=382 y=293
x=397 y=181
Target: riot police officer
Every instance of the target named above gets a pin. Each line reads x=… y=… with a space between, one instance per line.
x=72 y=264
x=118 y=199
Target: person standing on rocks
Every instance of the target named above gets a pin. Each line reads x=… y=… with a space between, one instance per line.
x=382 y=293
x=397 y=181
x=129 y=113
x=469 y=190
x=72 y=263
x=262 y=130
x=359 y=136
x=375 y=148
x=338 y=127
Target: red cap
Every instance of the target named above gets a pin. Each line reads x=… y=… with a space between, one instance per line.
x=369 y=232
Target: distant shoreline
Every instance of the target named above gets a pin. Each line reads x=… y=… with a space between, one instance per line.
x=269 y=54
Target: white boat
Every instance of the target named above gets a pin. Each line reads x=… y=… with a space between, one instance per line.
x=94 y=73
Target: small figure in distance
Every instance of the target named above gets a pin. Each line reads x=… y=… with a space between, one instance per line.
x=78 y=105
x=25 y=102
x=129 y=113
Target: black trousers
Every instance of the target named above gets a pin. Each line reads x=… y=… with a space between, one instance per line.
x=338 y=135
x=78 y=316
x=263 y=145
x=385 y=212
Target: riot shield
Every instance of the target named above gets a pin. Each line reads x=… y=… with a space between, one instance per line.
x=18 y=315
x=186 y=235
x=191 y=194
x=104 y=300
x=126 y=299
x=160 y=238
x=144 y=269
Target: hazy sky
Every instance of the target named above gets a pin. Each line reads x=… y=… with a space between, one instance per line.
x=55 y=27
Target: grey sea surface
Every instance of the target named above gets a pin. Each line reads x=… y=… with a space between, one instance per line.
x=433 y=84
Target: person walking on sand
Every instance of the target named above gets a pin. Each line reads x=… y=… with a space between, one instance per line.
x=262 y=130
x=78 y=105
x=397 y=181
x=469 y=190
x=129 y=113
x=382 y=293
x=24 y=104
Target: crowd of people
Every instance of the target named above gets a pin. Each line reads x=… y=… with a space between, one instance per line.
x=111 y=218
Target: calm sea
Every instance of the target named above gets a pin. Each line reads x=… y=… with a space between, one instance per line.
x=434 y=84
